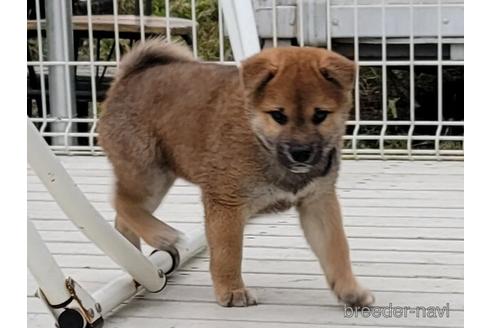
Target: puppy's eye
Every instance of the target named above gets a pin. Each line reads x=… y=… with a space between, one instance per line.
x=278 y=116
x=319 y=115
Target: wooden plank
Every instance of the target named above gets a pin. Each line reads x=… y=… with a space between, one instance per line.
x=342 y=186
x=269 y=242
x=367 y=243
x=279 y=254
x=452 y=186
x=292 y=296
x=294 y=231
x=286 y=218
x=197 y=210
x=192 y=190
x=309 y=297
x=58 y=219
x=44 y=320
x=275 y=231
x=383 y=175
x=174 y=199
x=343 y=180
x=105 y=192
x=296 y=296
x=102 y=162
x=361 y=269
x=291 y=218
x=281 y=314
x=270 y=313
x=348 y=169
x=69 y=256
x=348 y=213
x=126 y=23
x=356 y=171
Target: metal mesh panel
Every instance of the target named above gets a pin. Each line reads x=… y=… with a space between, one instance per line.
x=408 y=102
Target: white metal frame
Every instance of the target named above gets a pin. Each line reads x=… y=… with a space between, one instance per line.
x=63 y=296
x=243 y=37
x=241 y=26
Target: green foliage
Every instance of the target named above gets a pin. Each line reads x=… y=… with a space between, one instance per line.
x=207 y=15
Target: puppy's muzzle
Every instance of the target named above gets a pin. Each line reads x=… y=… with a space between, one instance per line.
x=299 y=158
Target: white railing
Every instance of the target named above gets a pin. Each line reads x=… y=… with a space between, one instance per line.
x=407 y=104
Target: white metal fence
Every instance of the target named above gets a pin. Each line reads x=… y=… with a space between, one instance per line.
x=408 y=103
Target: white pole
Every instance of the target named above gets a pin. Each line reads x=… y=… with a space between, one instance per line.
x=61 y=78
x=122 y=288
x=241 y=25
x=44 y=269
x=76 y=206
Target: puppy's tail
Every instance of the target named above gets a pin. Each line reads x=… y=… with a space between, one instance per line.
x=152 y=52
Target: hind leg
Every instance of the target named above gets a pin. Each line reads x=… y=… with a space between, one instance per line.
x=137 y=197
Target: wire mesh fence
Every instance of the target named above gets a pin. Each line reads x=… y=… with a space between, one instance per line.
x=408 y=102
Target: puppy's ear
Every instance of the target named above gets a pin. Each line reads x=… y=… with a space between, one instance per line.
x=338 y=70
x=257 y=72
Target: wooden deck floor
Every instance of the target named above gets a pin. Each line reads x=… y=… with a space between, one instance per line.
x=405 y=226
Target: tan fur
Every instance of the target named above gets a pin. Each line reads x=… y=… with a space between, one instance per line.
x=168 y=116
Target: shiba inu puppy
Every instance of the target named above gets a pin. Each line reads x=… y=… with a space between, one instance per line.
x=262 y=137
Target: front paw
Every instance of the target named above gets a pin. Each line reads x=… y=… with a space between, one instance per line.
x=354 y=295
x=237 y=297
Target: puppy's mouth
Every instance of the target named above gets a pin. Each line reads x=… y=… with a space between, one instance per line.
x=300 y=168
x=321 y=168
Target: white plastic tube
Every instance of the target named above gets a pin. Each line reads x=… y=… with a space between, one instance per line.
x=44 y=269
x=78 y=209
x=122 y=288
x=240 y=22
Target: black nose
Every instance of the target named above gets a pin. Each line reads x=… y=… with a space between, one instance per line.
x=300 y=153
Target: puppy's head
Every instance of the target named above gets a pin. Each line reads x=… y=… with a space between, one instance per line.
x=299 y=99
